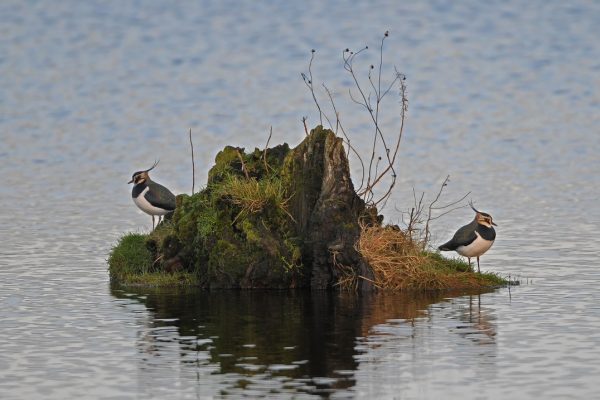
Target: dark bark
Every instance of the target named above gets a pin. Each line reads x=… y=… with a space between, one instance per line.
x=326 y=208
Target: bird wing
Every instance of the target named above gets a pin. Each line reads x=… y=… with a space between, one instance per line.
x=160 y=196
x=463 y=237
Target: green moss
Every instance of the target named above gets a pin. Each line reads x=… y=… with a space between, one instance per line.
x=295 y=251
x=298 y=176
x=258 y=164
x=226 y=162
x=458 y=269
x=227 y=264
x=132 y=260
x=159 y=279
x=494 y=279
x=251 y=233
x=437 y=261
x=243 y=225
x=130 y=257
x=163 y=241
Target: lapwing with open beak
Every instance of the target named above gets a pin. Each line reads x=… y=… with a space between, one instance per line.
x=151 y=197
x=474 y=239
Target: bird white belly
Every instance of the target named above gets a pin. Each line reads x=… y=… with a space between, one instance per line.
x=146 y=207
x=476 y=248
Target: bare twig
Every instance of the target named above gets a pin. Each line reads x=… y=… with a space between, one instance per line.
x=392 y=160
x=308 y=81
x=415 y=214
x=421 y=215
x=435 y=200
x=381 y=167
x=304 y=123
x=347 y=139
x=432 y=207
x=374 y=177
x=243 y=164
x=265 y=150
x=193 y=164
x=450 y=210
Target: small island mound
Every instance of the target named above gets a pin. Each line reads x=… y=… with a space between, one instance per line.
x=284 y=218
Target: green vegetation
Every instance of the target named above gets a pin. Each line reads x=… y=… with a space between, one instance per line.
x=159 y=279
x=236 y=232
x=130 y=257
x=131 y=263
x=276 y=218
x=457 y=273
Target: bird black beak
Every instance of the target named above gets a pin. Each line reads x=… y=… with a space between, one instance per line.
x=494 y=224
x=131 y=181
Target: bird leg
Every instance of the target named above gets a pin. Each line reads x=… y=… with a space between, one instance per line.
x=153 y=222
x=469 y=258
x=478 y=265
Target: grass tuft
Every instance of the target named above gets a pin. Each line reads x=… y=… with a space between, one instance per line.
x=253 y=196
x=159 y=279
x=131 y=263
x=399 y=263
x=130 y=256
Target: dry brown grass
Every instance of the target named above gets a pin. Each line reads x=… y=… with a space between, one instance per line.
x=398 y=263
x=395 y=258
x=346 y=276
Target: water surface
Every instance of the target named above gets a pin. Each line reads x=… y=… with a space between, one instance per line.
x=502 y=97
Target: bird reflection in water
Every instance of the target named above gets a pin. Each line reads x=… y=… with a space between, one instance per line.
x=478 y=322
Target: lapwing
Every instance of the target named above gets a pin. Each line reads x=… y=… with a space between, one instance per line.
x=151 y=197
x=474 y=239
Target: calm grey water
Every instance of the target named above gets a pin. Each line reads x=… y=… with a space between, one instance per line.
x=503 y=97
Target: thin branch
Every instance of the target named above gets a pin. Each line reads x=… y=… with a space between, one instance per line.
x=243 y=164
x=453 y=203
x=435 y=200
x=370 y=97
x=399 y=77
x=308 y=81
x=450 y=210
x=193 y=163
x=339 y=123
x=265 y=150
x=304 y=123
x=348 y=65
x=390 y=87
x=378 y=91
x=356 y=101
x=437 y=197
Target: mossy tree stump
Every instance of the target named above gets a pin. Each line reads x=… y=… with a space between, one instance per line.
x=284 y=218
x=279 y=218
x=325 y=207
